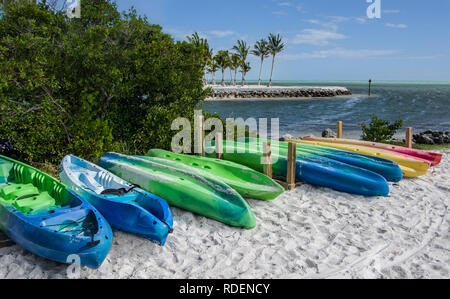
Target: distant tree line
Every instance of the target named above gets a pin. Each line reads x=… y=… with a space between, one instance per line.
x=235 y=59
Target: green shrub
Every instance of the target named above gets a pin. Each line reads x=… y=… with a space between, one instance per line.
x=104 y=82
x=380 y=130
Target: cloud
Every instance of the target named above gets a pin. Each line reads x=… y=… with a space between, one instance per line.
x=340 y=53
x=316 y=37
x=401 y=26
x=279 y=13
x=212 y=34
x=221 y=33
x=285 y=4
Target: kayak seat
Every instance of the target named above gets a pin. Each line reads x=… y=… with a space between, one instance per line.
x=90 y=183
x=35 y=203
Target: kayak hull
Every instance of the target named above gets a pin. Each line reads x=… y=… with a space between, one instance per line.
x=246 y=181
x=316 y=170
x=421 y=155
x=386 y=168
x=68 y=230
x=136 y=211
x=204 y=196
x=410 y=167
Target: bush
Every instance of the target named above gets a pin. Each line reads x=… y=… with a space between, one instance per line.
x=380 y=130
x=90 y=85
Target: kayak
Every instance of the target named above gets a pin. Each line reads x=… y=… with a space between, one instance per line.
x=45 y=217
x=421 y=155
x=124 y=206
x=387 y=168
x=314 y=169
x=409 y=166
x=246 y=181
x=183 y=189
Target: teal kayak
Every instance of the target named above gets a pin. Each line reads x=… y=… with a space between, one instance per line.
x=183 y=189
x=246 y=181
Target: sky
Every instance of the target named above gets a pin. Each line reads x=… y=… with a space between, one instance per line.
x=325 y=39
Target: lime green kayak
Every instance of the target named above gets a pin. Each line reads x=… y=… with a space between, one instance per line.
x=246 y=181
x=205 y=196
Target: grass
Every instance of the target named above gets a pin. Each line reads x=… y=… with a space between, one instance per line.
x=47 y=167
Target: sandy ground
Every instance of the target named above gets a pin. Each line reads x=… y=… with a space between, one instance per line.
x=310 y=232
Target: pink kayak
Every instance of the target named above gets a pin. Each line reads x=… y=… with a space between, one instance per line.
x=430 y=157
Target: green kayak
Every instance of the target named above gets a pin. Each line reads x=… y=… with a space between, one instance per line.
x=246 y=181
x=184 y=189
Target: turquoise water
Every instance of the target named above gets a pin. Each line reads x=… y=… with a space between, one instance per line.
x=421 y=105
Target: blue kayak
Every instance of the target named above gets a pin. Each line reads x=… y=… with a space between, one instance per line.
x=390 y=170
x=125 y=206
x=45 y=217
x=310 y=168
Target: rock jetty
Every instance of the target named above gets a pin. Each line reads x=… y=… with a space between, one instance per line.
x=432 y=137
x=255 y=92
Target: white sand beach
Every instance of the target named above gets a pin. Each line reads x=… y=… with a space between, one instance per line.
x=311 y=232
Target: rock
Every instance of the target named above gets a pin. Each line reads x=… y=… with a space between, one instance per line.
x=286 y=137
x=424 y=139
x=237 y=92
x=328 y=133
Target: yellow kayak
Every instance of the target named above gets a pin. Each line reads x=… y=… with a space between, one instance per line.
x=410 y=167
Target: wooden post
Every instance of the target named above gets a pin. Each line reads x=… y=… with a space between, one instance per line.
x=267 y=154
x=339 y=129
x=219 y=145
x=408 y=140
x=370 y=85
x=202 y=128
x=291 y=161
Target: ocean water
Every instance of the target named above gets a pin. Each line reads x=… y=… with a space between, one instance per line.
x=421 y=105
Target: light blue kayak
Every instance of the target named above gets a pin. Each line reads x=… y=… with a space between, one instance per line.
x=125 y=206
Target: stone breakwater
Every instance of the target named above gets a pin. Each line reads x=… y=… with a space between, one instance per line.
x=227 y=92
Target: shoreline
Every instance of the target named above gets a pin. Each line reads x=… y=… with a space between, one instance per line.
x=274 y=92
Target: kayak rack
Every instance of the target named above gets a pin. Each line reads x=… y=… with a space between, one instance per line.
x=289 y=183
x=408 y=136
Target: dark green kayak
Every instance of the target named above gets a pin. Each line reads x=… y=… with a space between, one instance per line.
x=246 y=181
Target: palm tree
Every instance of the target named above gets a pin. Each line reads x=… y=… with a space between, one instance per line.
x=275 y=46
x=242 y=50
x=202 y=43
x=261 y=50
x=236 y=63
x=212 y=68
x=222 y=61
x=245 y=68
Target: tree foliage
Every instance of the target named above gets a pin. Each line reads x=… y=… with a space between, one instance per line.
x=83 y=86
x=380 y=130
